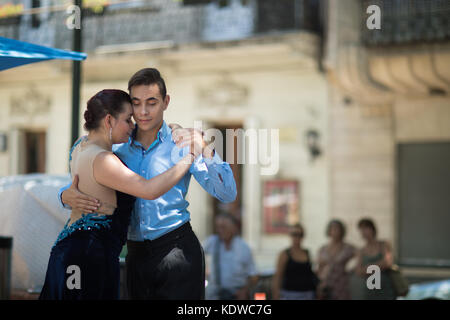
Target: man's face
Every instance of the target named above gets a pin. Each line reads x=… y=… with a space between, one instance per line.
x=225 y=229
x=148 y=106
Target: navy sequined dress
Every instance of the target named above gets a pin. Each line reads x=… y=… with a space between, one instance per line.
x=84 y=261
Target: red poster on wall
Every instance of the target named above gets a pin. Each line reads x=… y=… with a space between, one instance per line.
x=281 y=205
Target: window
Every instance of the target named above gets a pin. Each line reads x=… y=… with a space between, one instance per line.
x=35 y=19
x=34 y=153
x=424 y=204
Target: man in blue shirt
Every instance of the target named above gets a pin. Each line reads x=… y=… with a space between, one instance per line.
x=231 y=272
x=165 y=259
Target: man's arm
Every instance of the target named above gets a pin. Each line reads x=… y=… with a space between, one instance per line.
x=70 y=197
x=250 y=268
x=65 y=206
x=213 y=174
x=216 y=177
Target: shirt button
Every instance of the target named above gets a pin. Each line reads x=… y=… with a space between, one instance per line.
x=142 y=205
x=143 y=171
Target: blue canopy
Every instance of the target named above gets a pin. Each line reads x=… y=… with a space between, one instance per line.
x=14 y=53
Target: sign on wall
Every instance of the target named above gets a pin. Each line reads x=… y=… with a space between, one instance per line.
x=280 y=205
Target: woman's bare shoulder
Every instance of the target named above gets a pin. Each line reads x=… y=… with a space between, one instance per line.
x=283 y=255
x=107 y=161
x=106 y=156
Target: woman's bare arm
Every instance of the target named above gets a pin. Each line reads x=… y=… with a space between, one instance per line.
x=278 y=276
x=111 y=172
x=359 y=269
x=387 y=260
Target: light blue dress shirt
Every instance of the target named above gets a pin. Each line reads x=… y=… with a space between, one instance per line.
x=151 y=219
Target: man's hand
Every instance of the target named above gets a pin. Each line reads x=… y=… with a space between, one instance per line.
x=175 y=126
x=77 y=200
x=194 y=139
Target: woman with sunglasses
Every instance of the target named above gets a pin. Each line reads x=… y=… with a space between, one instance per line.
x=294 y=278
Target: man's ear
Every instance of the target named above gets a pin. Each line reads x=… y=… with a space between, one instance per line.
x=166 y=102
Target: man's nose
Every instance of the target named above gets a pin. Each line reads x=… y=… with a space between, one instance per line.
x=144 y=111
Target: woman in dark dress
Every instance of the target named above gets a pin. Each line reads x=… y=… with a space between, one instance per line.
x=84 y=261
x=294 y=278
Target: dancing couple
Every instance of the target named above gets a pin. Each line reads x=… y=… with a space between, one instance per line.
x=129 y=186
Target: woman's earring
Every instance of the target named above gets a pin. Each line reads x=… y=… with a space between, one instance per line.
x=110 y=134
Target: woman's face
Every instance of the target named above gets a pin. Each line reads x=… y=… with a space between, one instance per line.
x=296 y=236
x=335 y=232
x=123 y=126
x=366 y=233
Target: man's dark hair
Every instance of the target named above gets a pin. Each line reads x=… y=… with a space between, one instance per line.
x=229 y=217
x=148 y=76
x=367 y=223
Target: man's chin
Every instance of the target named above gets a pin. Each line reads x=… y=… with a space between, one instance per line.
x=144 y=127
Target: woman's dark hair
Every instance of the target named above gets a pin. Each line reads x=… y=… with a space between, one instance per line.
x=367 y=223
x=108 y=101
x=148 y=76
x=298 y=225
x=339 y=224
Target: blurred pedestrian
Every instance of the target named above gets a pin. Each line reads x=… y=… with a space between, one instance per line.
x=374 y=252
x=294 y=278
x=332 y=260
x=231 y=272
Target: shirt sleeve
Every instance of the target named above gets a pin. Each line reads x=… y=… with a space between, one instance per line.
x=251 y=268
x=65 y=206
x=216 y=177
x=207 y=245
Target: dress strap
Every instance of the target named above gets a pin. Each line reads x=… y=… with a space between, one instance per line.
x=73 y=147
x=307 y=254
x=288 y=252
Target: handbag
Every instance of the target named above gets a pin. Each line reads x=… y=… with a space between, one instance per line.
x=399 y=282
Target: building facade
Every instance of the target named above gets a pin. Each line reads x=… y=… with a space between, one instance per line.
x=234 y=66
x=389 y=129
x=375 y=102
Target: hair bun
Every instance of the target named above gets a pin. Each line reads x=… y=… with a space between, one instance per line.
x=89 y=118
x=107 y=101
